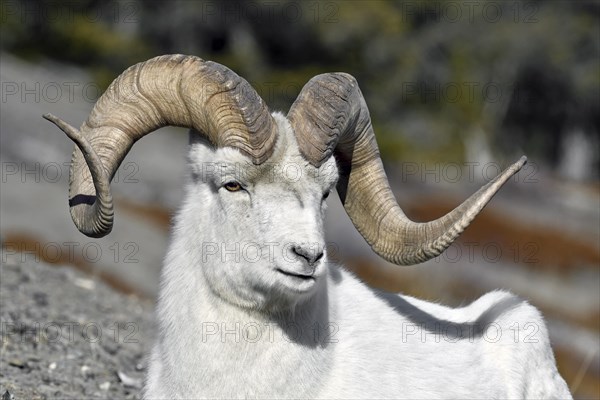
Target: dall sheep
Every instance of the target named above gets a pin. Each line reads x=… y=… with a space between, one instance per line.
x=249 y=304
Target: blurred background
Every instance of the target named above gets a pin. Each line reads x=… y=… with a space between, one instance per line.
x=457 y=91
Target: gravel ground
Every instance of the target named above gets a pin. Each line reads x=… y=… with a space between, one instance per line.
x=66 y=336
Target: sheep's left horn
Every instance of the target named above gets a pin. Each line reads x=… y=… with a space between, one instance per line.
x=331 y=116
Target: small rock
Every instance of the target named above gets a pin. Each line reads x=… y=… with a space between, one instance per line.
x=41 y=299
x=52 y=366
x=84 y=283
x=16 y=363
x=8 y=396
x=104 y=386
x=129 y=381
x=110 y=347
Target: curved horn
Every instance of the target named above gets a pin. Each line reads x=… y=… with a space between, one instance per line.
x=330 y=115
x=167 y=90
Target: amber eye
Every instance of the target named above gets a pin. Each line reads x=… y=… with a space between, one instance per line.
x=232 y=186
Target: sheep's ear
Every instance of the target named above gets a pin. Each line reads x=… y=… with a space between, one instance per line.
x=198 y=155
x=196 y=137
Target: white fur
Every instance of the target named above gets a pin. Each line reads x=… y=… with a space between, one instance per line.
x=232 y=326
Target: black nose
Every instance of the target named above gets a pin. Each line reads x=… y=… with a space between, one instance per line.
x=311 y=253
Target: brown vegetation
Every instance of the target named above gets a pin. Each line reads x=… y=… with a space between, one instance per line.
x=538 y=247
x=24 y=243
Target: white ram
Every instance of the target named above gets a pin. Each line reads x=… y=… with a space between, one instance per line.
x=249 y=305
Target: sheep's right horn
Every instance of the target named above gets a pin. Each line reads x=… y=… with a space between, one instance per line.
x=167 y=90
x=329 y=117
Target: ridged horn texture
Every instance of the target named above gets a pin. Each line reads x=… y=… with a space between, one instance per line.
x=330 y=116
x=173 y=90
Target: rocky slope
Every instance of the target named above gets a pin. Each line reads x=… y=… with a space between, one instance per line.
x=64 y=335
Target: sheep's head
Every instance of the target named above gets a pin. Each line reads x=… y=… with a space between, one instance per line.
x=257 y=229
x=328 y=127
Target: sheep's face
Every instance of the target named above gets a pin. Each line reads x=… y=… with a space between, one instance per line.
x=257 y=231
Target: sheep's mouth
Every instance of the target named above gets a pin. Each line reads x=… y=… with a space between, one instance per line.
x=298 y=276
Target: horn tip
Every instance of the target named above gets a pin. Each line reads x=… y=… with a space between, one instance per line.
x=71 y=132
x=522 y=161
x=50 y=117
x=519 y=164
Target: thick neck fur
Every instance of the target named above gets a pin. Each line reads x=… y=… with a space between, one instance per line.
x=214 y=343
